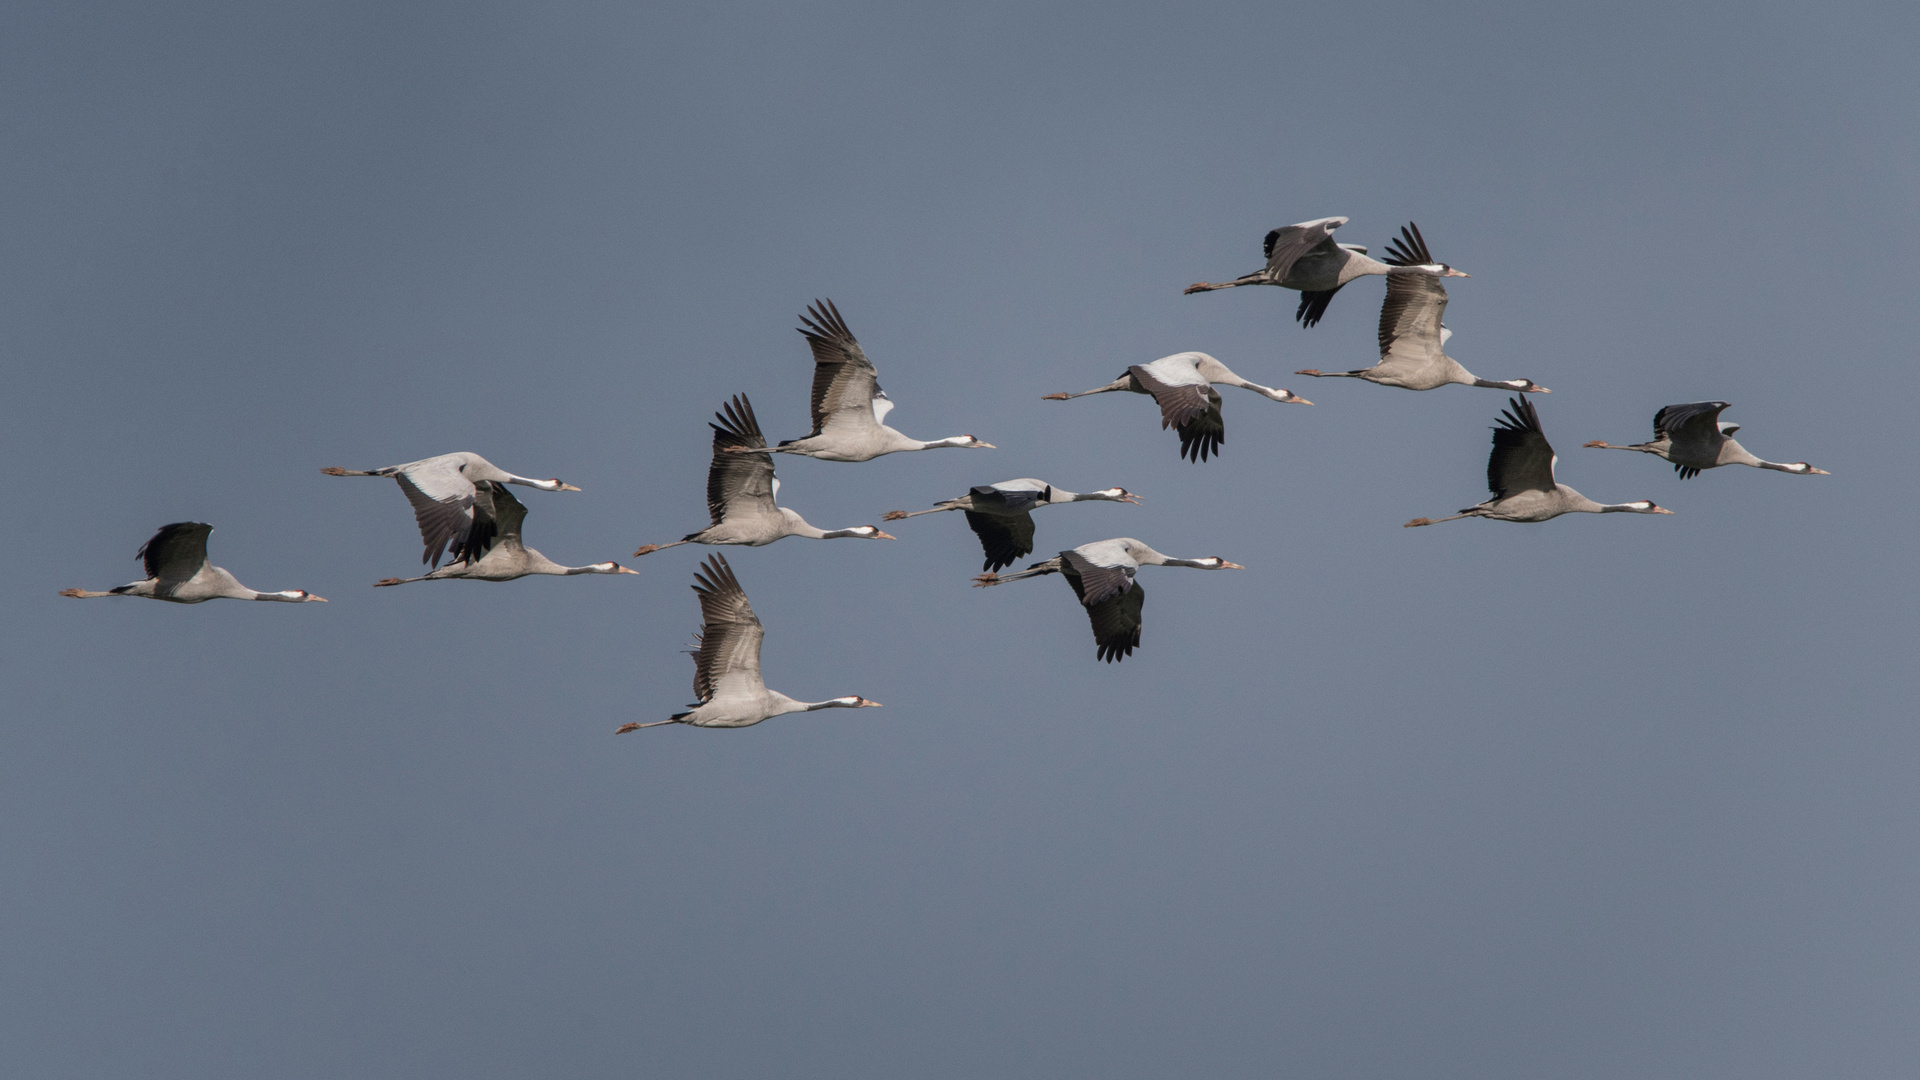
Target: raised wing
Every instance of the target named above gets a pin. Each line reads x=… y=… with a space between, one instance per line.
x=1178 y=389
x=1285 y=245
x=1004 y=538
x=1521 y=459
x=1698 y=418
x=1409 y=248
x=844 y=381
x=728 y=657
x=1410 y=331
x=1203 y=434
x=736 y=481
x=442 y=499
x=175 y=552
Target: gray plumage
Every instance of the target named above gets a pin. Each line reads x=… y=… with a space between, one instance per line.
x=1182 y=385
x=1693 y=437
x=1102 y=577
x=493 y=549
x=1520 y=475
x=441 y=491
x=726 y=661
x=175 y=558
x=849 y=408
x=1001 y=514
x=741 y=490
x=1412 y=337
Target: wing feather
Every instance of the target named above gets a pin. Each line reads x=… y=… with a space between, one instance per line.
x=1004 y=538
x=845 y=383
x=1410 y=332
x=1284 y=246
x=1179 y=403
x=737 y=481
x=1522 y=460
x=443 y=521
x=1703 y=416
x=730 y=633
x=175 y=552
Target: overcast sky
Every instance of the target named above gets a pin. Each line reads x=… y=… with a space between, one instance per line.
x=1621 y=796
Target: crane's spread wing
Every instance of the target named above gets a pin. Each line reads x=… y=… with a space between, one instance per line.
x=728 y=657
x=175 y=552
x=1521 y=459
x=1093 y=582
x=1004 y=538
x=1697 y=418
x=1285 y=245
x=1181 y=395
x=1410 y=333
x=737 y=481
x=442 y=499
x=845 y=384
x=1313 y=305
x=1203 y=434
x=1409 y=248
x=1005 y=500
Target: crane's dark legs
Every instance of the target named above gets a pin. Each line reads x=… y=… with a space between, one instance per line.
x=1436 y=521
x=624 y=728
x=1124 y=382
x=1258 y=277
x=1318 y=374
x=651 y=548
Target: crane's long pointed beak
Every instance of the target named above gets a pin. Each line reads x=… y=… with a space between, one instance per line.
x=1134 y=499
x=1225 y=565
x=320 y=599
x=624 y=570
x=878 y=535
x=568 y=487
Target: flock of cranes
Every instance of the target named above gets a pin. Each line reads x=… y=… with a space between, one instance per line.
x=467 y=516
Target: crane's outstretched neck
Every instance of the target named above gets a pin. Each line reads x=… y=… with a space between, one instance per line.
x=1798 y=468
x=837 y=703
x=1522 y=386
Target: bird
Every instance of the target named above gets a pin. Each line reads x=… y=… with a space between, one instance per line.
x=1520 y=475
x=1102 y=576
x=726 y=662
x=178 y=572
x=1693 y=437
x=441 y=490
x=495 y=550
x=1305 y=257
x=1412 y=337
x=1182 y=384
x=741 y=489
x=1001 y=514
x=849 y=408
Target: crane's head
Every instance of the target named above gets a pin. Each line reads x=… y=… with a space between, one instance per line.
x=609 y=568
x=1117 y=494
x=297 y=596
x=1215 y=562
x=865 y=532
x=1645 y=506
x=967 y=442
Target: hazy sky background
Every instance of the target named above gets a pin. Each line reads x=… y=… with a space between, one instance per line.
x=1609 y=797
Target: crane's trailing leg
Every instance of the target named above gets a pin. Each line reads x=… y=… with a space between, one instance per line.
x=1209 y=286
x=651 y=548
x=1124 y=382
x=624 y=728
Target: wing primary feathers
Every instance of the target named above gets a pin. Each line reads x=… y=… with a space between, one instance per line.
x=1408 y=249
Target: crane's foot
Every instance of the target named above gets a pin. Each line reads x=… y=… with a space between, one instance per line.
x=1417 y=521
x=387 y=581
x=1315 y=372
x=988 y=578
x=334 y=470
x=1055 y=397
x=72 y=592
x=1601 y=443
x=894 y=515
x=624 y=728
x=646 y=550
x=1198 y=286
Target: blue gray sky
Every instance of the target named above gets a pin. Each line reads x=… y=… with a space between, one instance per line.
x=1612 y=796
